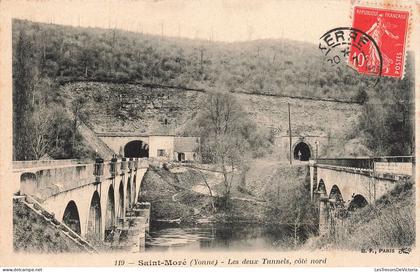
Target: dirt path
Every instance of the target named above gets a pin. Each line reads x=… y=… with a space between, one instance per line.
x=212 y=180
x=260 y=172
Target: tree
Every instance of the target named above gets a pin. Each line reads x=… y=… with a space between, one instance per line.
x=292 y=205
x=40 y=132
x=50 y=129
x=222 y=123
x=210 y=191
x=80 y=114
x=61 y=134
x=387 y=119
x=22 y=82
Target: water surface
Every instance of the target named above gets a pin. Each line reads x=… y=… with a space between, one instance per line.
x=220 y=237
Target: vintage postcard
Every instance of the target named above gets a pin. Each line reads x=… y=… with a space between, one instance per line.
x=198 y=133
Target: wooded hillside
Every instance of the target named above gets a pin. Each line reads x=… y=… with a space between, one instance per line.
x=264 y=66
x=46 y=55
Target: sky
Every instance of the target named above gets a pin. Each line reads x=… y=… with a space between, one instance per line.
x=217 y=20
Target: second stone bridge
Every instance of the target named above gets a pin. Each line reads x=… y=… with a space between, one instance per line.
x=351 y=183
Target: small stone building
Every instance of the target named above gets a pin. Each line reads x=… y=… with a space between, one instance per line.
x=174 y=148
x=161 y=147
x=186 y=148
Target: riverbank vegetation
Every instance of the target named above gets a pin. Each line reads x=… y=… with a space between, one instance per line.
x=278 y=196
x=290 y=202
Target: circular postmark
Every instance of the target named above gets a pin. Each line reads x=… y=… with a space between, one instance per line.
x=351 y=47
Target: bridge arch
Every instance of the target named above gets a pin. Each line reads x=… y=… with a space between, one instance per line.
x=128 y=198
x=358 y=201
x=110 y=212
x=71 y=217
x=142 y=189
x=134 y=189
x=302 y=151
x=321 y=187
x=335 y=194
x=95 y=216
x=136 y=149
x=121 y=200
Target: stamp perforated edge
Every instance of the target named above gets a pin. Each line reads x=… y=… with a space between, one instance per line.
x=407 y=6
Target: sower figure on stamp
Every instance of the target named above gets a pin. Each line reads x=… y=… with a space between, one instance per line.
x=376 y=31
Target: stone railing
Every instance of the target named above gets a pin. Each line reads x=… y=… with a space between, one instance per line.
x=50 y=180
x=44 y=163
x=393 y=165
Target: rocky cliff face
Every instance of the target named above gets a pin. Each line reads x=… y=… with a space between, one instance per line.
x=161 y=110
x=308 y=117
x=136 y=108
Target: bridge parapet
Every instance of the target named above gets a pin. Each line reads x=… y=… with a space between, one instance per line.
x=368 y=172
x=117 y=167
x=43 y=163
x=47 y=179
x=397 y=165
x=360 y=171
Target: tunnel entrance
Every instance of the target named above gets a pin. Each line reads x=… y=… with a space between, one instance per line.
x=136 y=149
x=71 y=217
x=302 y=152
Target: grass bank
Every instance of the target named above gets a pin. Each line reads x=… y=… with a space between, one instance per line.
x=31 y=233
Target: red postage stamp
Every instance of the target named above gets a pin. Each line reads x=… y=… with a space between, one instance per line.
x=388 y=28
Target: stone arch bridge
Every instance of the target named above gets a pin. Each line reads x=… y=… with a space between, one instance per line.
x=351 y=183
x=92 y=199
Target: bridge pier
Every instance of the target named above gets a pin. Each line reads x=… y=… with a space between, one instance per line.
x=143 y=209
x=131 y=231
x=313 y=178
x=323 y=215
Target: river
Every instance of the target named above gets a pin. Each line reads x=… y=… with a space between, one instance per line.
x=220 y=237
